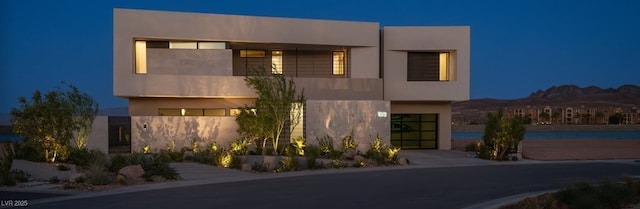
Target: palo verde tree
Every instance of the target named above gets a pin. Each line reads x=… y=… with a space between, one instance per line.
x=277 y=104
x=84 y=110
x=501 y=134
x=49 y=122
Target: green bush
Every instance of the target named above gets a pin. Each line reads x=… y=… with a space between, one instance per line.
x=349 y=143
x=472 y=147
x=288 y=163
x=157 y=164
x=312 y=153
x=205 y=157
x=326 y=144
x=28 y=151
x=226 y=159
x=97 y=175
x=240 y=146
x=382 y=153
x=501 y=135
x=605 y=195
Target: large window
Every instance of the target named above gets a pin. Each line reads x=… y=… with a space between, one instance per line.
x=338 y=63
x=414 y=131
x=276 y=62
x=428 y=66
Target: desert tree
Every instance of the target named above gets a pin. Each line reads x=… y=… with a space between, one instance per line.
x=501 y=134
x=277 y=105
x=49 y=122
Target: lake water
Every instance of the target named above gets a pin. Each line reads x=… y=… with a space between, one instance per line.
x=560 y=135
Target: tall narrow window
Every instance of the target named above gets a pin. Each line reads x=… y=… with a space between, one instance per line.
x=338 y=63
x=276 y=62
x=444 y=66
x=141 y=57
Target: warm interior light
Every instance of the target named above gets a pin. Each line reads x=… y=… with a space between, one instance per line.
x=338 y=63
x=183 y=45
x=276 y=61
x=183 y=111
x=212 y=45
x=141 y=57
x=444 y=66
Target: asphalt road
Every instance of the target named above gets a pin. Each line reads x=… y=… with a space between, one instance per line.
x=411 y=188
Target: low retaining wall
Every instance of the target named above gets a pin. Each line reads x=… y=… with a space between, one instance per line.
x=480 y=128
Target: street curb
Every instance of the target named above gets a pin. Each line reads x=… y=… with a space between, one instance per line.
x=497 y=203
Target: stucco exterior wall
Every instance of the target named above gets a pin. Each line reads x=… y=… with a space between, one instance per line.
x=99 y=137
x=163 y=131
x=400 y=40
x=443 y=109
x=190 y=61
x=337 y=118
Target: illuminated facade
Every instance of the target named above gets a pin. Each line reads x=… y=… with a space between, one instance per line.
x=182 y=74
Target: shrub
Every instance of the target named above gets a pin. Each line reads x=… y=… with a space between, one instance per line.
x=205 y=157
x=606 y=195
x=336 y=163
x=97 y=175
x=260 y=167
x=28 y=151
x=312 y=153
x=152 y=164
x=54 y=180
x=326 y=144
x=226 y=159
x=472 y=147
x=501 y=135
x=299 y=144
x=382 y=153
x=240 y=146
x=349 y=143
x=288 y=163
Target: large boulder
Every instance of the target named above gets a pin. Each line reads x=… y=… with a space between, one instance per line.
x=132 y=172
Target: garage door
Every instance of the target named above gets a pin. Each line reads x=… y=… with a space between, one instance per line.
x=414 y=131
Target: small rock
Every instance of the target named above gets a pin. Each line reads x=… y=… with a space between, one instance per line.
x=358 y=159
x=132 y=172
x=245 y=167
x=122 y=180
x=403 y=161
x=349 y=154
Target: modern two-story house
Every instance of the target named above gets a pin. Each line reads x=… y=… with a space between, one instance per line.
x=183 y=75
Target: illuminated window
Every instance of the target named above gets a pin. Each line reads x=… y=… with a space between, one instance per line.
x=141 y=57
x=215 y=112
x=276 y=62
x=192 y=112
x=212 y=45
x=183 y=45
x=338 y=63
x=428 y=66
x=251 y=53
x=234 y=111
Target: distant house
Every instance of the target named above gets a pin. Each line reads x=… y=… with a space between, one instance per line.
x=182 y=74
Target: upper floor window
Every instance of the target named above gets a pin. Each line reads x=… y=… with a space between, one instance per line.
x=338 y=63
x=141 y=57
x=276 y=62
x=251 y=53
x=428 y=66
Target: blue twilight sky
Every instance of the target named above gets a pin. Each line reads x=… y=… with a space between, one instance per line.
x=517 y=47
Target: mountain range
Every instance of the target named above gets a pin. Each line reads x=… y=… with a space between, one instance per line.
x=625 y=97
